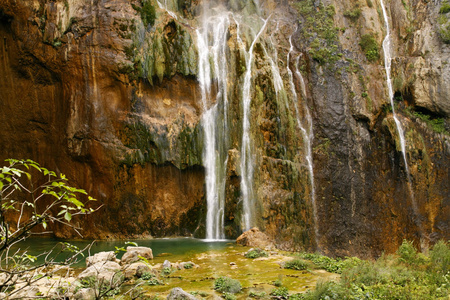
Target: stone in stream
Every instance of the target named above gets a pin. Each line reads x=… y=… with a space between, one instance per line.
x=179 y=294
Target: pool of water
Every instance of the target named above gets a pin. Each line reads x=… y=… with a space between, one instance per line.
x=177 y=247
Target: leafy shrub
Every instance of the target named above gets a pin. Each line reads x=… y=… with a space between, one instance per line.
x=280 y=292
x=407 y=252
x=445 y=7
x=296 y=264
x=369 y=3
x=370 y=47
x=227 y=285
x=353 y=14
x=255 y=253
x=166 y=271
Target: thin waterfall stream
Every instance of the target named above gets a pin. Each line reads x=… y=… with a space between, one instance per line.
x=387 y=65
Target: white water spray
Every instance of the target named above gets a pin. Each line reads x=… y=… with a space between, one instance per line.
x=211 y=40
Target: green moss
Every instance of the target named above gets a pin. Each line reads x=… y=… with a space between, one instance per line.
x=369 y=3
x=370 y=47
x=147 y=11
x=227 y=285
x=318 y=22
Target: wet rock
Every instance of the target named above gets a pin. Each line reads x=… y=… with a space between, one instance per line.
x=179 y=294
x=255 y=238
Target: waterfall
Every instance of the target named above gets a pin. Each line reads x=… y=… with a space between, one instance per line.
x=211 y=39
x=246 y=148
x=387 y=66
x=306 y=133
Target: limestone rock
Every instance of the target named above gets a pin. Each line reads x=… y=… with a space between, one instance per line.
x=101 y=257
x=133 y=254
x=255 y=238
x=179 y=294
x=135 y=269
x=102 y=270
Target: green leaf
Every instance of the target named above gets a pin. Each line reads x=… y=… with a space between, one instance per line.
x=44 y=224
x=67 y=216
x=76 y=202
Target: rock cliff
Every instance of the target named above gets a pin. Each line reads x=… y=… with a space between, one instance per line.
x=108 y=93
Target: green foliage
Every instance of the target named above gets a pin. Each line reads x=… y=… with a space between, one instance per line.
x=330 y=264
x=255 y=253
x=166 y=271
x=281 y=292
x=229 y=296
x=257 y=295
x=353 y=14
x=437 y=124
x=188 y=266
x=407 y=275
x=364 y=94
x=147 y=276
x=370 y=47
x=317 y=28
x=369 y=3
x=296 y=264
x=445 y=7
x=227 y=285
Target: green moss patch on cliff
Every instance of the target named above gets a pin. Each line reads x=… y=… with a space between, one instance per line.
x=318 y=30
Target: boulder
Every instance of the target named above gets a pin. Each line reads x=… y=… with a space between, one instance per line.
x=102 y=270
x=100 y=257
x=135 y=269
x=133 y=253
x=167 y=264
x=255 y=238
x=186 y=265
x=179 y=294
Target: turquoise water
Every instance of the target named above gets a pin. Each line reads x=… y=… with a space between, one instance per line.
x=160 y=247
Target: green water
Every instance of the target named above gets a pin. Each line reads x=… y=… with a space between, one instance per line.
x=178 y=247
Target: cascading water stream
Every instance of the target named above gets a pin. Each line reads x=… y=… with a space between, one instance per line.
x=211 y=39
x=307 y=134
x=387 y=66
x=246 y=151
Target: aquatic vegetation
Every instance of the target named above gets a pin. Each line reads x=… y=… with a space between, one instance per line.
x=255 y=253
x=296 y=264
x=227 y=285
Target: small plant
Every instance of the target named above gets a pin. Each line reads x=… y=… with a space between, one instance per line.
x=296 y=264
x=353 y=14
x=166 y=271
x=227 y=285
x=257 y=295
x=370 y=47
x=281 y=292
x=147 y=276
x=188 y=266
x=445 y=7
x=229 y=296
x=364 y=95
x=255 y=253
